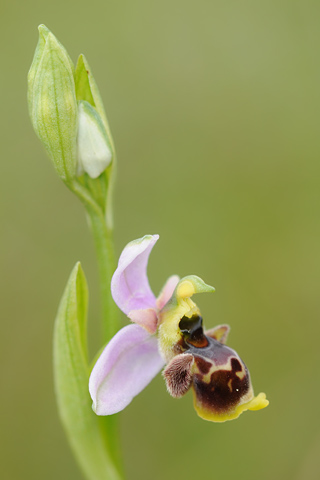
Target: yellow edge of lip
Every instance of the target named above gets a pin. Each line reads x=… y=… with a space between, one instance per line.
x=257 y=403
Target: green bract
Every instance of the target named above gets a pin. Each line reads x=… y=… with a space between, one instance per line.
x=87 y=89
x=52 y=102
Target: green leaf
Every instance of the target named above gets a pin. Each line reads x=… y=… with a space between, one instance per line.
x=71 y=374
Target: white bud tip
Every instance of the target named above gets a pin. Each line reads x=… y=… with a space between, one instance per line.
x=94 y=154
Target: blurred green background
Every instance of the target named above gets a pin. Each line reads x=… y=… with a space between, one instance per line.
x=214 y=108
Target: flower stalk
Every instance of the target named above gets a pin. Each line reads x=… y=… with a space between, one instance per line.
x=104 y=248
x=103 y=241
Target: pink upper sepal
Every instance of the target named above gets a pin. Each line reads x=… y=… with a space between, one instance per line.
x=129 y=285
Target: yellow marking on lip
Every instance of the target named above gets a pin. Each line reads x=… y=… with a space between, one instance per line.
x=230 y=384
x=206 y=377
x=214 y=368
x=241 y=374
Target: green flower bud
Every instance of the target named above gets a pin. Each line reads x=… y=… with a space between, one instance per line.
x=52 y=102
x=94 y=150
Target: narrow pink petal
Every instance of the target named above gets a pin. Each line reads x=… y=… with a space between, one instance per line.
x=220 y=333
x=129 y=285
x=167 y=291
x=147 y=318
x=126 y=366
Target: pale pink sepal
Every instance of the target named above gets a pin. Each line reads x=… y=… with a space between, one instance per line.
x=146 y=318
x=129 y=285
x=167 y=291
x=126 y=366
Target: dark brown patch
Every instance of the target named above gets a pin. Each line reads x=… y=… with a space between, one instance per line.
x=202 y=365
x=235 y=365
x=224 y=390
x=192 y=331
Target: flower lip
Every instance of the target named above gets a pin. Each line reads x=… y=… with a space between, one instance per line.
x=219 y=378
x=220 y=390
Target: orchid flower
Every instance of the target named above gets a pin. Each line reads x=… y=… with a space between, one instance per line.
x=168 y=331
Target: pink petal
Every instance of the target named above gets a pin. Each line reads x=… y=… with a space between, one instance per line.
x=126 y=366
x=167 y=291
x=129 y=285
x=219 y=333
x=146 y=318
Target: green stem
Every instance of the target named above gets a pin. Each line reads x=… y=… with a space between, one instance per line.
x=103 y=241
x=102 y=236
x=110 y=323
x=106 y=263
